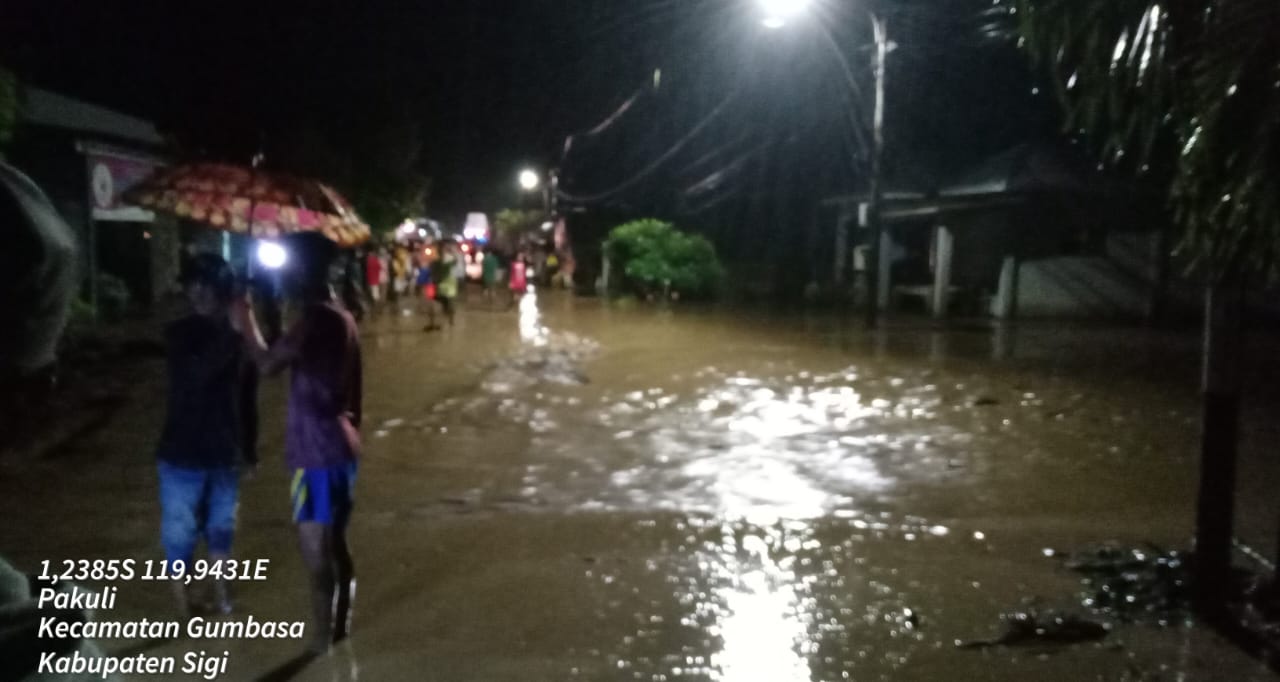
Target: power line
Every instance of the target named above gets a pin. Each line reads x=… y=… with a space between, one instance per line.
x=657 y=163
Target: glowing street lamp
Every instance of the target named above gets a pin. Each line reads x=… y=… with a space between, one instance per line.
x=529 y=180
x=532 y=181
x=776 y=15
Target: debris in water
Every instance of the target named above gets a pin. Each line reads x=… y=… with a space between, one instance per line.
x=1030 y=628
x=1135 y=583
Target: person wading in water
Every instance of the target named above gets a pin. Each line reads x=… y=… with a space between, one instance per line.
x=209 y=430
x=322 y=442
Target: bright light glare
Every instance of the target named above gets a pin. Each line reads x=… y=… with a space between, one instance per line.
x=782 y=9
x=272 y=255
x=528 y=180
x=761 y=630
x=774 y=23
x=546 y=227
x=476 y=227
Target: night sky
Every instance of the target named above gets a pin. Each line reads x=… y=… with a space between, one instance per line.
x=742 y=123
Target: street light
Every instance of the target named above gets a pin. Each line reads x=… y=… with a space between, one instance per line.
x=529 y=180
x=776 y=14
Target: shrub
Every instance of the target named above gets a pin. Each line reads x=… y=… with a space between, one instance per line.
x=652 y=256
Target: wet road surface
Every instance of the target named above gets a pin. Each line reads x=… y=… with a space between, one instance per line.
x=566 y=491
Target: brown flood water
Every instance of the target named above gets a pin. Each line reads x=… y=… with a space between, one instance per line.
x=567 y=492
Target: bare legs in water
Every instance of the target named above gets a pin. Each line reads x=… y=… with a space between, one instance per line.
x=332 y=574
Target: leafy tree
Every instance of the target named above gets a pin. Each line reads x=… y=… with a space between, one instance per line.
x=1188 y=95
x=510 y=221
x=387 y=186
x=510 y=225
x=375 y=167
x=385 y=204
x=652 y=255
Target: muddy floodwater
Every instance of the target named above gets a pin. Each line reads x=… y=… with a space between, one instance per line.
x=567 y=491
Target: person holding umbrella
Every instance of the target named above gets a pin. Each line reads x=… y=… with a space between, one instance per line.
x=300 y=224
x=322 y=443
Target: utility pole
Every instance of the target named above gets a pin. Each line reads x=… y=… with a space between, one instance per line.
x=553 y=193
x=1220 y=432
x=876 y=265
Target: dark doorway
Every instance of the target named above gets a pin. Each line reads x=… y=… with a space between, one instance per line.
x=124 y=251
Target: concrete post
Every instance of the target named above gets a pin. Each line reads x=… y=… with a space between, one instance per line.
x=604 y=275
x=91 y=238
x=943 y=246
x=1007 y=295
x=842 y=249
x=1002 y=341
x=1219 y=440
x=166 y=264
x=884 y=280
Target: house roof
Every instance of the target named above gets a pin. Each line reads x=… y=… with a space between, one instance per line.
x=41 y=107
x=1004 y=179
x=1027 y=168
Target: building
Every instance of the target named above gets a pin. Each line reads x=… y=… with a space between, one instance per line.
x=1034 y=231
x=84 y=156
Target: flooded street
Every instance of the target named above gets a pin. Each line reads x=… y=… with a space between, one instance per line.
x=567 y=491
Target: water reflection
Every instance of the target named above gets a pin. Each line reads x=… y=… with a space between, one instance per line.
x=764 y=449
x=1002 y=341
x=762 y=636
x=751 y=455
x=938 y=346
x=759 y=448
x=532 y=331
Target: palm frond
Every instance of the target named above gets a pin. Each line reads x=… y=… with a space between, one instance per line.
x=1187 y=93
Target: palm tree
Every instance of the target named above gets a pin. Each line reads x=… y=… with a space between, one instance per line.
x=1186 y=94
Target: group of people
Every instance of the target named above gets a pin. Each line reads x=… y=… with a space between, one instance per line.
x=215 y=353
x=434 y=275
x=395 y=272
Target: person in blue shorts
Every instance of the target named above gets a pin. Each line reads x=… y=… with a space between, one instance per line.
x=206 y=437
x=322 y=439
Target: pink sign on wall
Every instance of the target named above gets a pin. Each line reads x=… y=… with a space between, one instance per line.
x=109 y=176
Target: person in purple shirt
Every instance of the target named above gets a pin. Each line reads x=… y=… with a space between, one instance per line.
x=322 y=439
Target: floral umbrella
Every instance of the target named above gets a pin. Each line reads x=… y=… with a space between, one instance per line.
x=248 y=201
